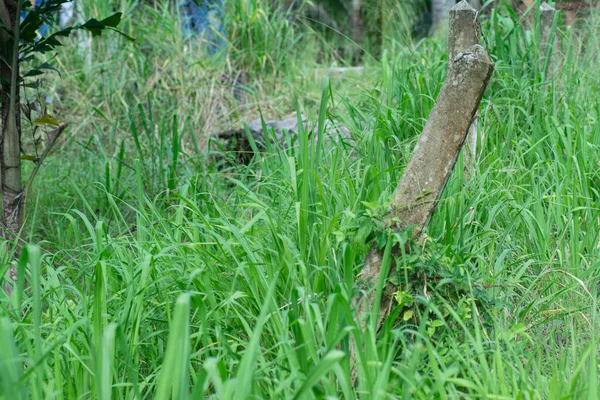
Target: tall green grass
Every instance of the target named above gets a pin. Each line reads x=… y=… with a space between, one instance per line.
x=155 y=274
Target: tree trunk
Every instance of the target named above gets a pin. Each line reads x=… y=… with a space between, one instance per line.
x=10 y=143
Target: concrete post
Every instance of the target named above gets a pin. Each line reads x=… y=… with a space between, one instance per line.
x=435 y=154
x=433 y=159
x=464 y=31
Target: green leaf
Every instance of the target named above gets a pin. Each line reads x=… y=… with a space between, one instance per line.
x=404 y=298
x=10 y=362
x=96 y=27
x=319 y=372
x=48 y=67
x=29 y=26
x=32 y=85
x=46 y=120
x=436 y=323
x=247 y=366
x=363 y=232
x=381 y=239
x=26 y=157
x=32 y=72
x=173 y=376
x=112 y=21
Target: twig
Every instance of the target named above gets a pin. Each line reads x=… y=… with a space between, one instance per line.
x=52 y=137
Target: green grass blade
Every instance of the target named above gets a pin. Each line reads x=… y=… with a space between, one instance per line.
x=173 y=378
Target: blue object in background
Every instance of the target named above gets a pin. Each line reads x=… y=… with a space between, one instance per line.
x=203 y=18
x=45 y=27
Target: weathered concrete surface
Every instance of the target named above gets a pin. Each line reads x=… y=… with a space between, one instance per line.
x=432 y=162
x=435 y=154
x=465 y=31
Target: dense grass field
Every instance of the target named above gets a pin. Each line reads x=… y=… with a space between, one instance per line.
x=159 y=268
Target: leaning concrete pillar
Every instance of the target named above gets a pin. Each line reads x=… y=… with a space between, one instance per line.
x=432 y=161
x=463 y=32
x=434 y=156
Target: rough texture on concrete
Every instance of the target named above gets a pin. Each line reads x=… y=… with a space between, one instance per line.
x=435 y=154
x=465 y=31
